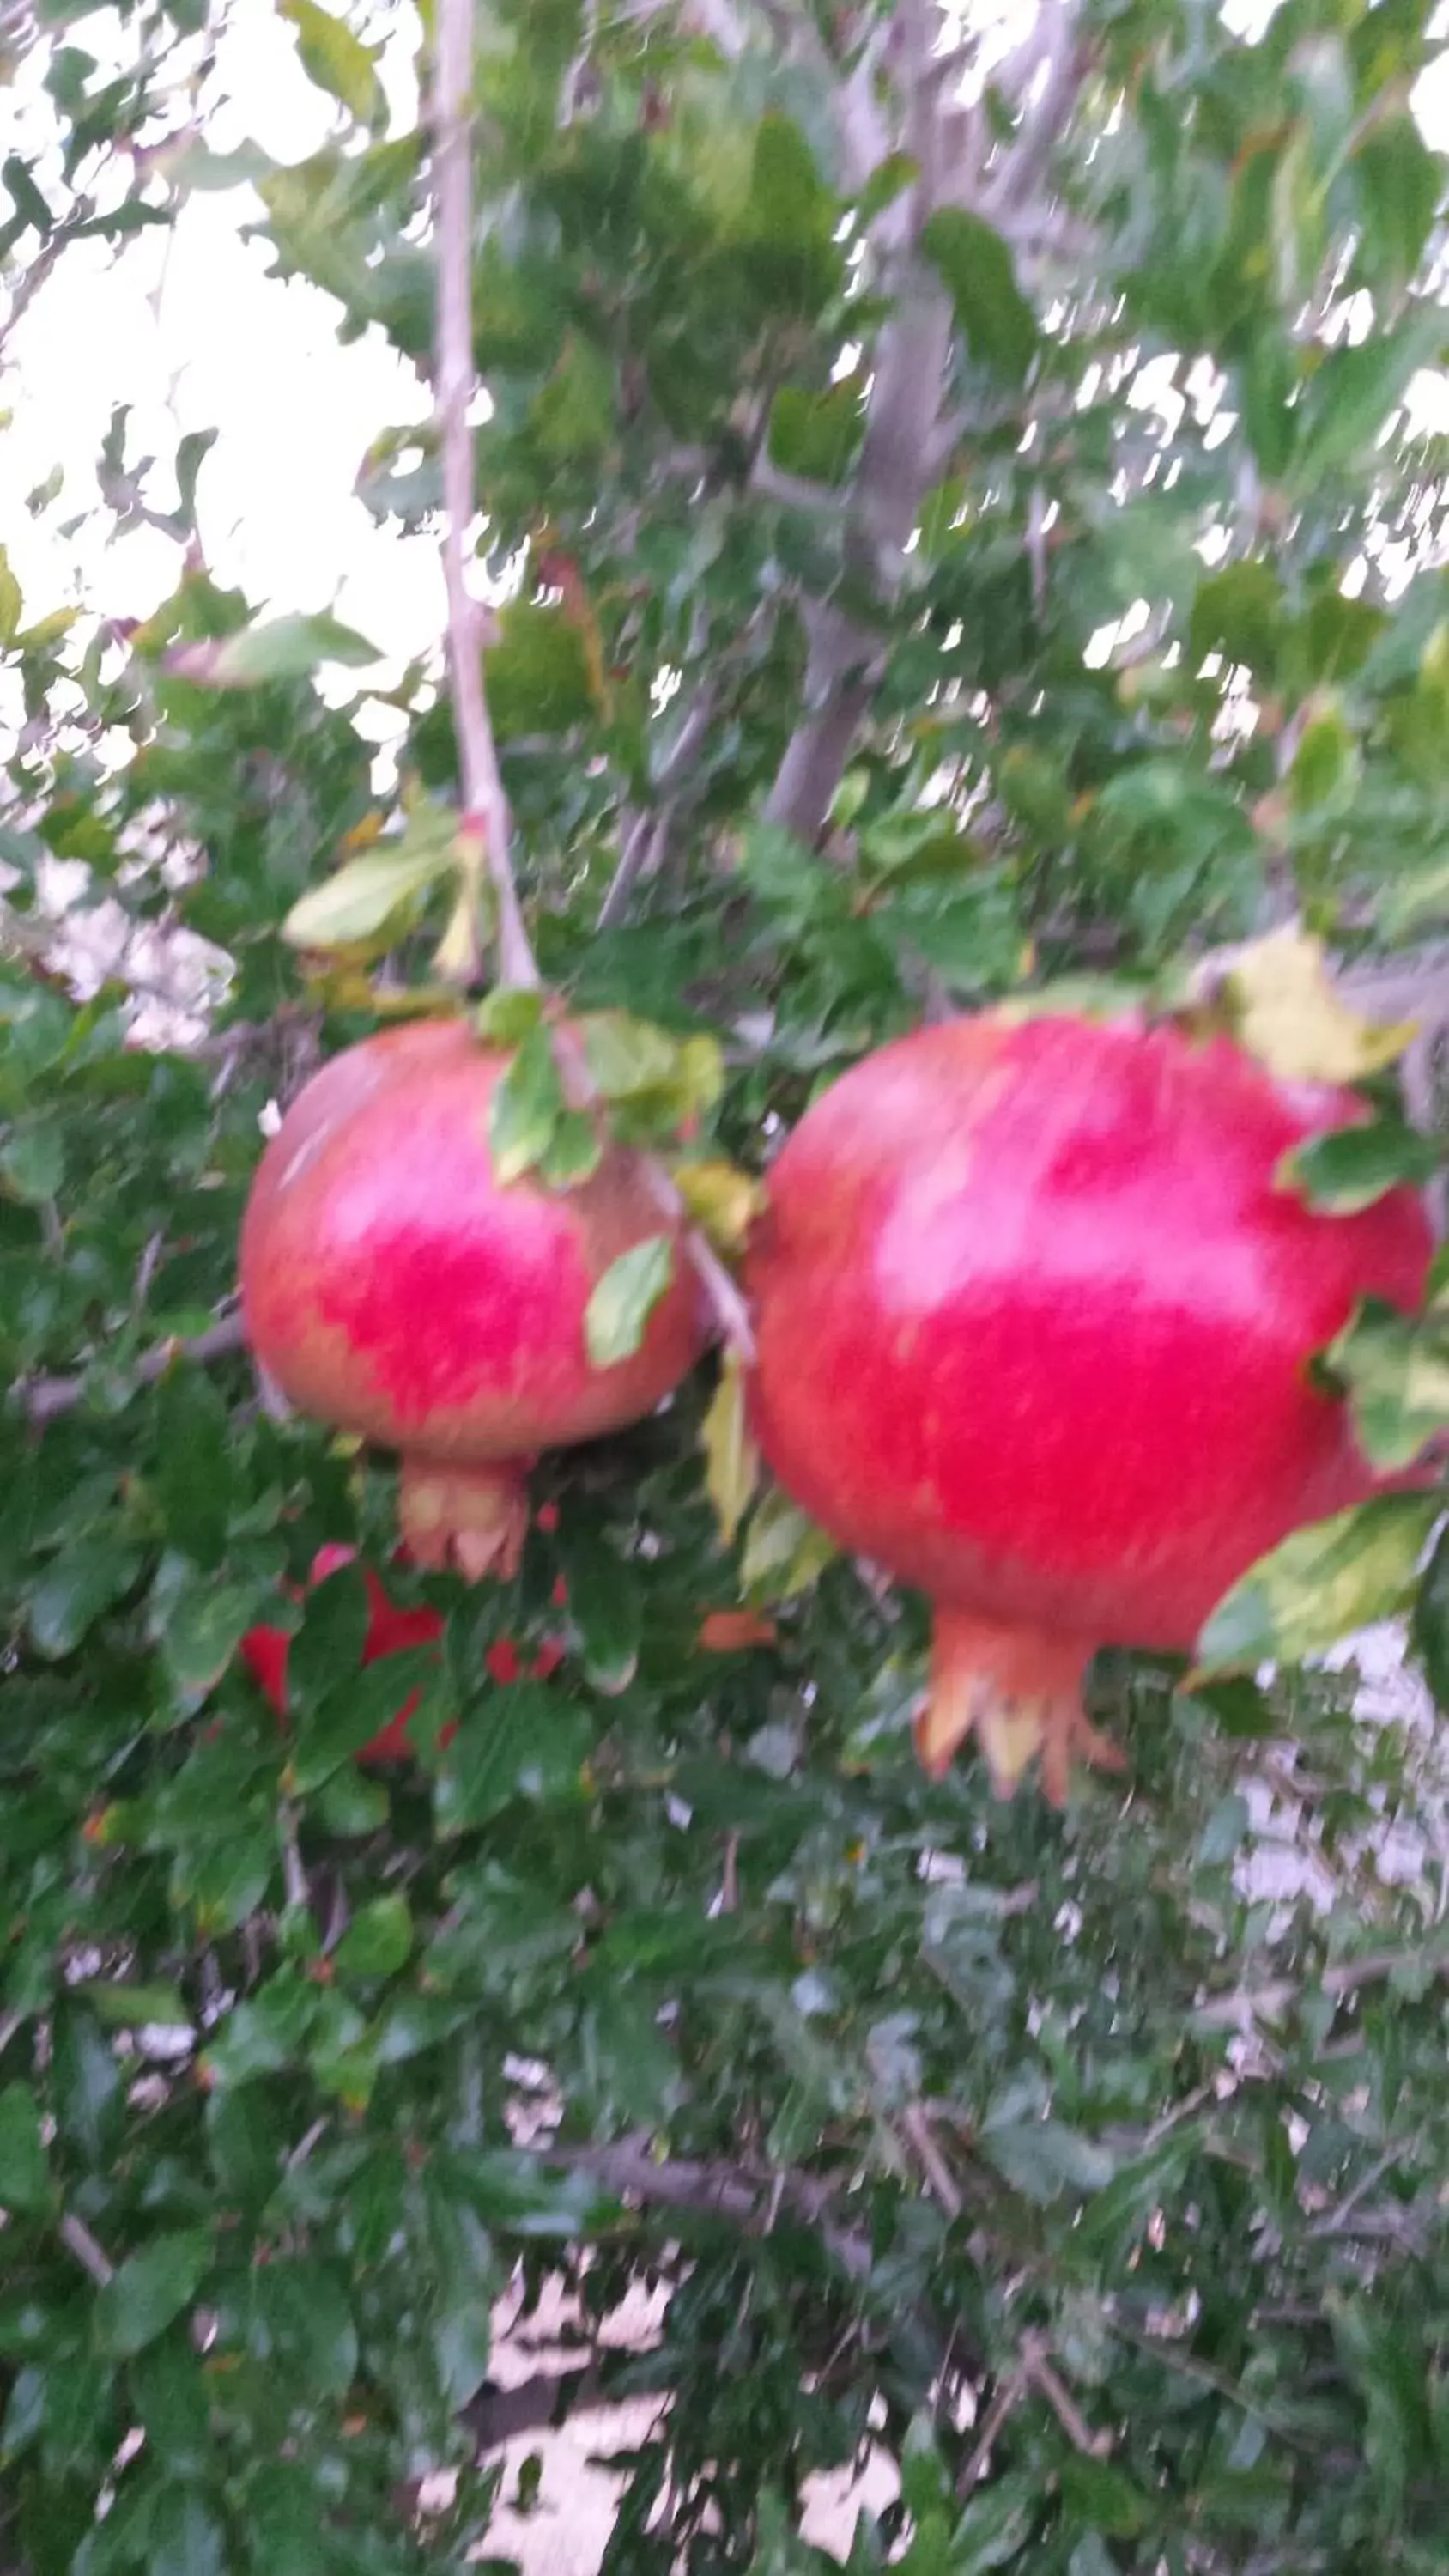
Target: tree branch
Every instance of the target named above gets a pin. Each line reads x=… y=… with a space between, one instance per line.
x=45 y=1397
x=1050 y=71
x=844 y=659
x=902 y=450
x=485 y=806
x=719 y=2190
x=644 y=842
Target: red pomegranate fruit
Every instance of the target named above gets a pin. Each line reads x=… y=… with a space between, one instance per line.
x=390 y=1629
x=1034 y=1317
x=392 y=1287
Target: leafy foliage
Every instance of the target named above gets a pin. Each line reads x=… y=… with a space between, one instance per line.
x=957 y=553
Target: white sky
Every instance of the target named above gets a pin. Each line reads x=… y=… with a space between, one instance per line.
x=191 y=332
x=195 y=336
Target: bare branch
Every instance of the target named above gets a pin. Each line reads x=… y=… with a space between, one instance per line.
x=485 y=806
x=648 y=833
x=844 y=659
x=45 y=1397
x=1049 y=71
x=719 y=2190
x=915 y=2123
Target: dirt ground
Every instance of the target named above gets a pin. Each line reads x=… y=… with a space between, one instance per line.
x=565 y=2531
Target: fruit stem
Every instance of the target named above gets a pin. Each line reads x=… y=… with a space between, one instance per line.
x=1020 y=1691
x=484 y=804
x=473 y=1519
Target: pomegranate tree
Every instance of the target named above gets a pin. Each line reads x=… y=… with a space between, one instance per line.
x=393 y=1287
x=1035 y=1313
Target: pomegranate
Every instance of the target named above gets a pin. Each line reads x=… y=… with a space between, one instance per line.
x=1034 y=1315
x=390 y=1630
x=392 y=1287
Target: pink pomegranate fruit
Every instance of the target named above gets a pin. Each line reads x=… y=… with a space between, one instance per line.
x=1034 y=1317
x=392 y=1287
x=390 y=1631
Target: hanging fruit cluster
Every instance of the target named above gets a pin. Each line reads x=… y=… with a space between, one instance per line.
x=1035 y=1320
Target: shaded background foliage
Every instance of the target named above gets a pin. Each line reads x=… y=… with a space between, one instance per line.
x=946 y=534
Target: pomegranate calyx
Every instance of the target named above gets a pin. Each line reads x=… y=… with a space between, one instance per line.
x=1019 y=1691
x=473 y=1519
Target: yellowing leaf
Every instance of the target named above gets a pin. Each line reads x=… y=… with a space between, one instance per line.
x=732 y=1468
x=1281 y=1003
x=722 y=1199
x=368 y=894
x=11 y=601
x=1321 y=1584
x=785 y=1551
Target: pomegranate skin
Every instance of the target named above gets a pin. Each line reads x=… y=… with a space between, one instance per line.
x=1033 y=1325
x=393 y=1288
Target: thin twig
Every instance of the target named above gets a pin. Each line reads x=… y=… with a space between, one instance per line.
x=485 y=805
x=294 y=1876
x=914 y=2122
x=1008 y=2397
x=45 y=1397
x=77 y=2239
x=1065 y=2408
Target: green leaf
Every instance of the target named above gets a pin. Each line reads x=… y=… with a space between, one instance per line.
x=1091 y=2557
x=1239 y=613
x=126 y=2007
x=626 y=1056
x=1352 y=1167
x=378 y=1940
x=1355 y=389
x=1099 y=2494
x=1429 y=1628
x=355 y=1707
x=1042 y=2159
x=335 y=59
x=528 y=1741
x=24 y=2176
x=604 y=1606
x=203 y=1630
x=287 y=2522
x=1320 y=1585
x=785 y=1551
x=525 y=1109
x=1222 y=1836
x=12 y=603
x=507 y=1015
x=195 y=1441
x=617 y=1315
x=32 y=1162
x=994 y=2529
x=1326 y=766
x=977 y=266
x=169 y=2391
x=1396 y=1372
x=816 y=435
x=286 y=648
x=575 y=1151
x=149 y=2289
x=84 y=1580
x=371 y=897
